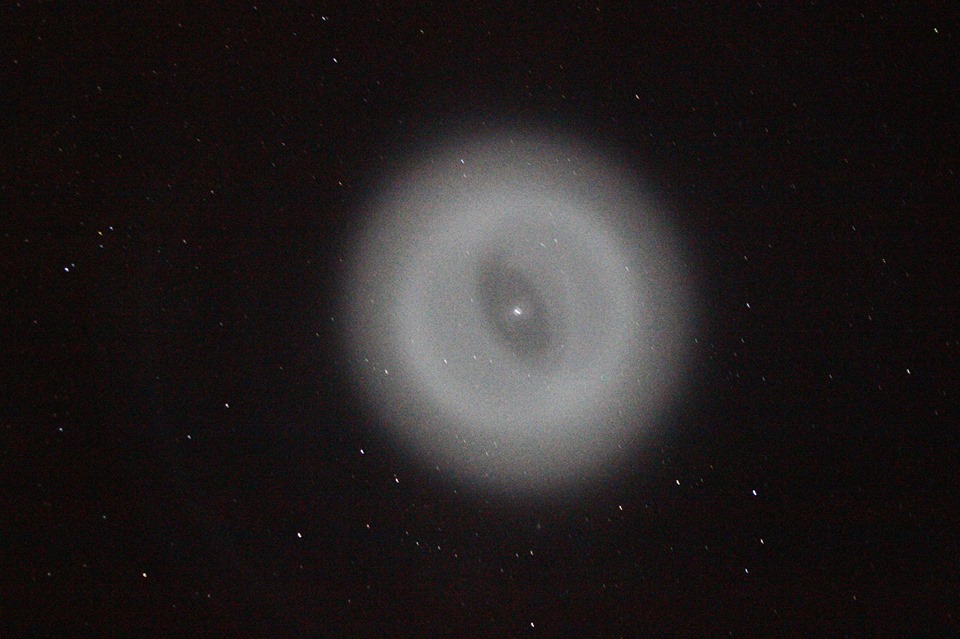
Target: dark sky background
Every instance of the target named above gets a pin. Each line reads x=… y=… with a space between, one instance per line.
x=180 y=439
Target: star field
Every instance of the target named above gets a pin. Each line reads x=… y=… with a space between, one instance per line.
x=187 y=435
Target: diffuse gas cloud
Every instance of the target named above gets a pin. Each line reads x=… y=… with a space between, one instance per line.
x=515 y=311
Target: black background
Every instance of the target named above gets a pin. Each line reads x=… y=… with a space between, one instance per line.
x=181 y=443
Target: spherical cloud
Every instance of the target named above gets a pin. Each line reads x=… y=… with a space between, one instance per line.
x=515 y=311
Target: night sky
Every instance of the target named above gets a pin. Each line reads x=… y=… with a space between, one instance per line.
x=185 y=448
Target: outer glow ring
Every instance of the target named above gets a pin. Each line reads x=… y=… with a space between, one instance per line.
x=433 y=362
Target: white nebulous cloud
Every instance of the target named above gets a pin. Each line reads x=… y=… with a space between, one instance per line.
x=515 y=311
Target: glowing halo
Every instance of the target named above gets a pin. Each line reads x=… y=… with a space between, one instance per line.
x=514 y=311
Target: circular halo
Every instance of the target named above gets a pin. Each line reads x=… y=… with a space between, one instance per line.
x=514 y=312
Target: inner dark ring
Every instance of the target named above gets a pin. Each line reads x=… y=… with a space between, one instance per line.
x=517 y=313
